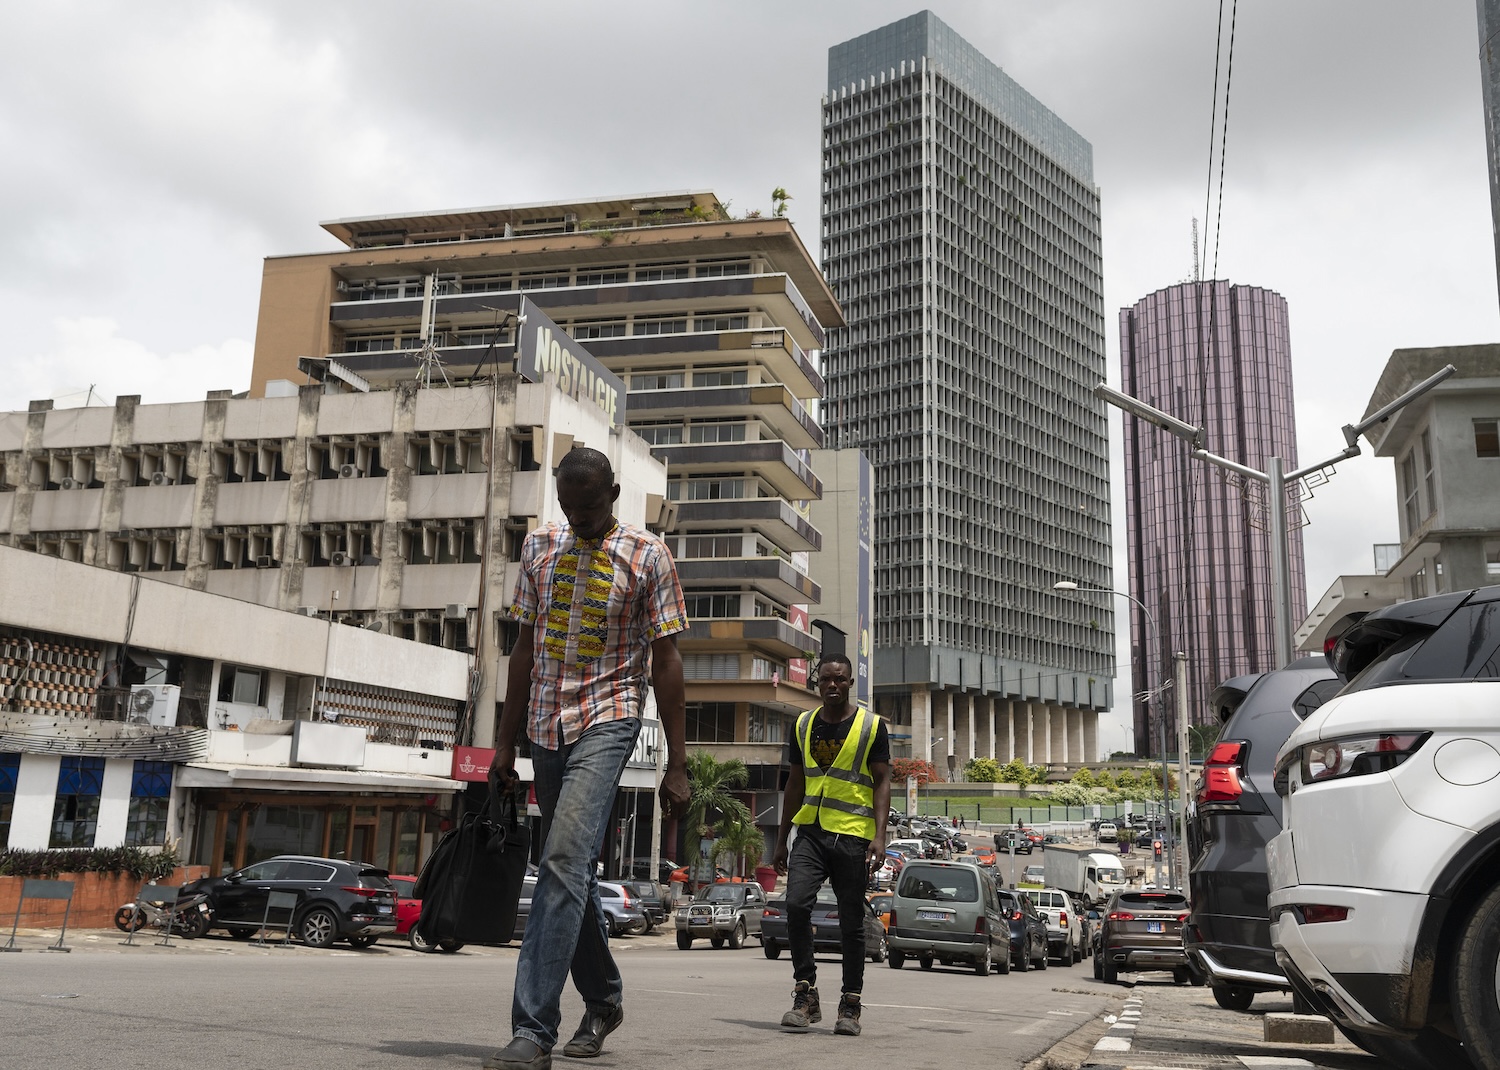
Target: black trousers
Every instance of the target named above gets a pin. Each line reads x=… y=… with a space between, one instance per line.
x=818 y=856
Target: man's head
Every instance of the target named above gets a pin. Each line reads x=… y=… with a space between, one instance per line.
x=835 y=677
x=586 y=492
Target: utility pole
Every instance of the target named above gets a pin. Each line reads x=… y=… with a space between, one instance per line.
x=1183 y=759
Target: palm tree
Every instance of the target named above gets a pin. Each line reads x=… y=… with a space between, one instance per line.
x=709 y=798
x=741 y=841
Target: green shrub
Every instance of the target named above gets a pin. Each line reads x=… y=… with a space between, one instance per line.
x=137 y=862
x=982 y=771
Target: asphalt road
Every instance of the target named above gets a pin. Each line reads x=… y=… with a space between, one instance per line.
x=214 y=1002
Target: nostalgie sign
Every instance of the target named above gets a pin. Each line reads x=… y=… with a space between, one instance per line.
x=544 y=350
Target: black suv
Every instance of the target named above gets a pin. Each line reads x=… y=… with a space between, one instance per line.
x=1228 y=935
x=336 y=899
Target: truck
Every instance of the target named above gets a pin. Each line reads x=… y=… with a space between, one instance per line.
x=1086 y=872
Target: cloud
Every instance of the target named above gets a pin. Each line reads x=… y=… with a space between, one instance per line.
x=89 y=362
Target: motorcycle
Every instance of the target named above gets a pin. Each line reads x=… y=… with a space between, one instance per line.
x=189 y=917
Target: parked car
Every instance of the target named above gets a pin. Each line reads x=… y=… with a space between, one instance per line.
x=985 y=856
x=1036 y=838
x=1028 y=931
x=648 y=894
x=947 y=912
x=1396 y=940
x=408 y=911
x=880 y=902
x=1035 y=873
x=1084 y=918
x=683 y=875
x=1143 y=931
x=1107 y=832
x=336 y=899
x=622 y=909
x=1063 y=932
x=724 y=913
x=827 y=936
x=640 y=870
x=1237 y=812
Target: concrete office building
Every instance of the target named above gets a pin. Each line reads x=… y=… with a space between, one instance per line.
x=704 y=329
x=961 y=237
x=1446 y=448
x=1219 y=357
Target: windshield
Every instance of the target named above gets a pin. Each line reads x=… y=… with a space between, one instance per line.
x=1111 y=876
x=719 y=893
x=950 y=884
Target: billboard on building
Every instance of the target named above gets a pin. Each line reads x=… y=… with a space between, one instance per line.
x=544 y=349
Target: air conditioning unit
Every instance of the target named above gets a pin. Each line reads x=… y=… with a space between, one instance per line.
x=160 y=479
x=455 y=611
x=264 y=561
x=308 y=611
x=67 y=483
x=342 y=286
x=154 y=704
x=338 y=559
x=348 y=471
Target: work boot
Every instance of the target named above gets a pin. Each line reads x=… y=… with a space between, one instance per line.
x=848 y=1020
x=805 y=1009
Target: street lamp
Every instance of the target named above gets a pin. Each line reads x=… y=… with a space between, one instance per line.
x=930 y=745
x=1161 y=720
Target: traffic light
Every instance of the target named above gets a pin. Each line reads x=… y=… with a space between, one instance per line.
x=1156 y=846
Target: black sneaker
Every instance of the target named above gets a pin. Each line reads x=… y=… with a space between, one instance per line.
x=848 y=1020
x=805 y=1009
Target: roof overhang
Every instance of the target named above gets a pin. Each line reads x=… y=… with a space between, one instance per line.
x=294 y=778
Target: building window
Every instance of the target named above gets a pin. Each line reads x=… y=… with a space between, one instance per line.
x=710 y=722
x=1429 y=481
x=10 y=769
x=766 y=725
x=241 y=685
x=1492 y=562
x=75 y=813
x=1487 y=438
x=1410 y=502
x=150 y=791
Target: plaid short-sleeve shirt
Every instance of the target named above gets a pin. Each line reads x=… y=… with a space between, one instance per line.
x=595 y=605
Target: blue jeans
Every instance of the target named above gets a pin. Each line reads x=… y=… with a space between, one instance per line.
x=567 y=930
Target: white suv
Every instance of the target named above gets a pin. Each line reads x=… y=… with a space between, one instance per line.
x=1064 y=933
x=1385 y=883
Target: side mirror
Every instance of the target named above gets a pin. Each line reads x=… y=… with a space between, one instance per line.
x=235 y=878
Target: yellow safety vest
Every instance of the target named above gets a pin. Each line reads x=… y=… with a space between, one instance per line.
x=840 y=798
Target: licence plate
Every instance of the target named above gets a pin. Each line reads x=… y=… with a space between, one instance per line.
x=932 y=915
x=383 y=910
x=1154 y=927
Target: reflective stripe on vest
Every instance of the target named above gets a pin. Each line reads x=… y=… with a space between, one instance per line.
x=841 y=798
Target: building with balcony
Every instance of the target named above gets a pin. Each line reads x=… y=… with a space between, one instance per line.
x=1446 y=449
x=1218 y=356
x=705 y=330
x=316 y=519
x=961 y=237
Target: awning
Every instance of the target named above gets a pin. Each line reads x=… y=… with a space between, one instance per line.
x=294 y=778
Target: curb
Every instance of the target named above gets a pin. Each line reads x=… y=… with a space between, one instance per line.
x=1076 y=1050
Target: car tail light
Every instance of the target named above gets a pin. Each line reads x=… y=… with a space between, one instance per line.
x=981 y=925
x=1221 y=773
x=1182 y=917
x=626 y=897
x=833 y=915
x=770 y=912
x=1121 y=915
x=893 y=918
x=1317 y=913
x=1062 y=919
x=1016 y=916
x=1332 y=759
x=367 y=893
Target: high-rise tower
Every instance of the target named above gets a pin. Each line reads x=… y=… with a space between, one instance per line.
x=1218 y=356
x=961 y=237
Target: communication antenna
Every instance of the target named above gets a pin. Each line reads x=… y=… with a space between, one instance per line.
x=1197 y=274
x=428 y=360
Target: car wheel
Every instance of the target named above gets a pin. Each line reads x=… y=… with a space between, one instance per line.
x=1023 y=963
x=319 y=927
x=716 y=941
x=684 y=941
x=1077 y=952
x=1002 y=964
x=450 y=946
x=1065 y=960
x=925 y=962
x=881 y=950
x=1233 y=998
x=1180 y=976
x=241 y=933
x=737 y=936
x=1111 y=973
x=982 y=964
x=414 y=938
x=771 y=948
x=896 y=959
x=128 y=919
x=363 y=941
x=1098 y=968
x=637 y=928
x=1476 y=982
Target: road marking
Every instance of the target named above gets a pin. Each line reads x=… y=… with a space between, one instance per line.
x=1112 y=1044
x=1033 y=1027
x=1275 y=1062
x=675 y=992
x=1065 y=1014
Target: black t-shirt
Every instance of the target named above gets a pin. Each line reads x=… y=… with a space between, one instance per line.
x=828 y=739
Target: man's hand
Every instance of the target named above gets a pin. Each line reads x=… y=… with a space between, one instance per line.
x=675 y=791
x=503 y=769
x=779 y=858
x=875 y=853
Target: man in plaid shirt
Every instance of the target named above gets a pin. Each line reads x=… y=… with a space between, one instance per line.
x=600 y=607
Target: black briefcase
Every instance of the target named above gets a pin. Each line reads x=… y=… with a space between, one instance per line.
x=471 y=884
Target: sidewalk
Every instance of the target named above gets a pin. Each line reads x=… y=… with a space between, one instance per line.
x=1163 y=1026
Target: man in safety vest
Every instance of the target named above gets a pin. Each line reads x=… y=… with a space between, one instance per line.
x=839 y=796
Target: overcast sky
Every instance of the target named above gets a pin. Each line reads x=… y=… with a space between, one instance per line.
x=156 y=153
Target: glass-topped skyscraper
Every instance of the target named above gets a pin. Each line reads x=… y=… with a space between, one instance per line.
x=961 y=236
x=1219 y=357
